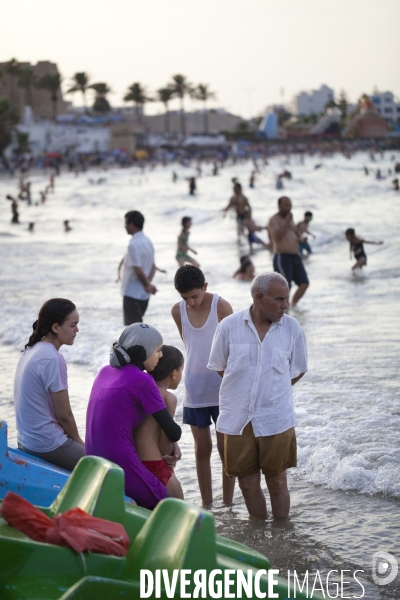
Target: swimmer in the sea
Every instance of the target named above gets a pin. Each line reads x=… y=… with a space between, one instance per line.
x=357 y=248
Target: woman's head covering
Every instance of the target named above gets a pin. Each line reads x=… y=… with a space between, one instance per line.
x=135 y=344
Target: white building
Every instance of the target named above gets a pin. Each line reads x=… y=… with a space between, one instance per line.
x=387 y=106
x=313 y=102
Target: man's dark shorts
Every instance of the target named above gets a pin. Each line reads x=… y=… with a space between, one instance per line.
x=200 y=417
x=291 y=267
x=134 y=310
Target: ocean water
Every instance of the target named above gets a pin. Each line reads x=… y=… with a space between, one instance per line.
x=345 y=492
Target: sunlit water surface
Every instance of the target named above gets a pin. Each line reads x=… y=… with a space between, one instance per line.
x=345 y=492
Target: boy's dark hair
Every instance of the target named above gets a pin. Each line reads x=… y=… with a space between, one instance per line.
x=185 y=220
x=350 y=231
x=308 y=214
x=136 y=218
x=188 y=278
x=171 y=360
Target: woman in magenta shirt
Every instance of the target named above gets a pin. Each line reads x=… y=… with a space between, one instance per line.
x=123 y=394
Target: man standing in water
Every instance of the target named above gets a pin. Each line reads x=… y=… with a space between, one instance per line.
x=260 y=353
x=284 y=236
x=138 y=270
x=240 y=203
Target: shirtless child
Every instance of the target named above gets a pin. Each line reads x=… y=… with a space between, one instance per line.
x=182 y=255
x=156 y=452
x=240 y=203
x=303 y=231
x=197 y=316
x=252 y=227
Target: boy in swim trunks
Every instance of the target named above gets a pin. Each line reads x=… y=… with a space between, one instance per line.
x=357 y=248
x=156 y=452
x=182 y=255
x=252 y=227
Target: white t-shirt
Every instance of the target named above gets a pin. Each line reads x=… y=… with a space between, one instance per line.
x=140 y=254
x=256 y=385
x=40 y=370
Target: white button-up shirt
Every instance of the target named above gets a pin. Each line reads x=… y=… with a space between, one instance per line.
x=257 y=378
x=140 y=254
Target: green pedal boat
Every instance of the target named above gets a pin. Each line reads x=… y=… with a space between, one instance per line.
x=174 y=552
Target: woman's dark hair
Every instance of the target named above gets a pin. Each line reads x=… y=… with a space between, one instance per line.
x=171 y=360
x=350 y=231
x=55 y=310
x=188 y=278
x=185 y=220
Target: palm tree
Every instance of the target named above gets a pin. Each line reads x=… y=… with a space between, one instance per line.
x=180 y=87
x=101 y=104
x=137 y=94
x=52 y=83
x=12 y=69
x=203 y=93
x=26 y=79
x=164 y=95
x=80 y=84
x=8 y=119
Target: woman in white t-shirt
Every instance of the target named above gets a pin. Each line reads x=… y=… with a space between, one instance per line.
x=45 y=424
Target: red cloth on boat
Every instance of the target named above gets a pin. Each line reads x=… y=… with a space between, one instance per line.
x=74 y=528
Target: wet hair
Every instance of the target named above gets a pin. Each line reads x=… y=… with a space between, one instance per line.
x=308 y=214
x=188 y=278
x=185 y=220
x=281 y=199
x=55 y=310
x=350 y=231
x=136 y=218
x=171 y=360
x=244 y=265
x=263 y=281
x=244 y=258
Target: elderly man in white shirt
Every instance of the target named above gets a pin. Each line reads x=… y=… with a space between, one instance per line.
x=261 y=353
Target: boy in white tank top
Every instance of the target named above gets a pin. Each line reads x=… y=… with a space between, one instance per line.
x=197 y=316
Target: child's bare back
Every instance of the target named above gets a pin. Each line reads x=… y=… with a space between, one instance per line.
x=154 y=448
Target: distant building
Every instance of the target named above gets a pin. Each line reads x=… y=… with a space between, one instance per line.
x=196 y=122
x=40 y=99
x=387 y=106
x=313 y=102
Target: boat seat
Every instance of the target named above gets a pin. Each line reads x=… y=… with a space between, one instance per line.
x=96 y=485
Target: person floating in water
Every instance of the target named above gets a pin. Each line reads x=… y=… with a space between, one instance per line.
x=357 y=248
x=246 y=271
x=182 y=255
x=303 y=231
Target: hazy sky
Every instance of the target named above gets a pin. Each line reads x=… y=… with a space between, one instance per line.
x=251 y=52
